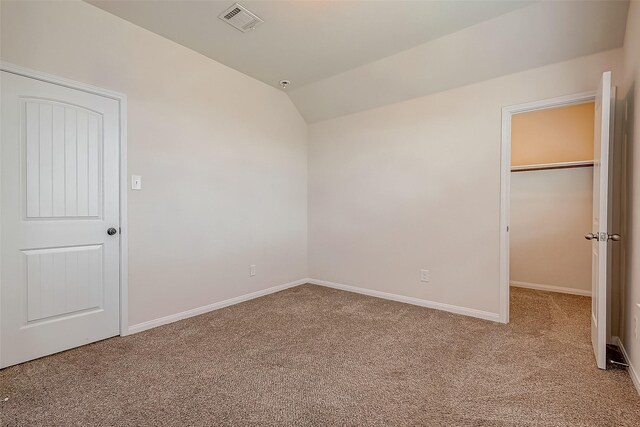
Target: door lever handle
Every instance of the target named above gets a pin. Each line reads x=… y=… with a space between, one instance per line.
x=594 y=236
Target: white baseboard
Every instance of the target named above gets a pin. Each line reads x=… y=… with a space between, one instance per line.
x=633 y=373
x=550 y=288
x=410 y=300
x=384 y=295
x=210 y=307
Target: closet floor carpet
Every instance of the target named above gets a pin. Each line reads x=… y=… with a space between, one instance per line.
x=314 y=356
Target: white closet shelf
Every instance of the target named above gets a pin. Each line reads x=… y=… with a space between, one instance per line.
x=545 y=166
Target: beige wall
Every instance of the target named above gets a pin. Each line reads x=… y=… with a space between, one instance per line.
x=222 y=156
x=553 y=135
x=416 y=185
x=550 y=214
x=629 y=93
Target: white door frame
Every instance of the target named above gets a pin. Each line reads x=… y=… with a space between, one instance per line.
x=505 y=180
x=124 y=232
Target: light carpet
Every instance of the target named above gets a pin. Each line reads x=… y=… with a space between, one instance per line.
x=313 y=356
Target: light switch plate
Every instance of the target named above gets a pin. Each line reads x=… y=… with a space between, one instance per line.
x=136 y=182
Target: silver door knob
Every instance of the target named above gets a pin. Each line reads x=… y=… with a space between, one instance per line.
x=591 y=236
x=111 y=231
x=615 y=237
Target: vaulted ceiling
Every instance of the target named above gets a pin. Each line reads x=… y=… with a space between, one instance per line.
x=347 y=56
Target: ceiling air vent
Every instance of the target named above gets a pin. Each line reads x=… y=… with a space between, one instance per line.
x=240 y=18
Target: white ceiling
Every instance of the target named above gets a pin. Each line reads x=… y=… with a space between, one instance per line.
x=347 y=56
x=537 y=35
x=305 y=41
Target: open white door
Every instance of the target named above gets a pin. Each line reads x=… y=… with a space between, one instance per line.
x=599 y=236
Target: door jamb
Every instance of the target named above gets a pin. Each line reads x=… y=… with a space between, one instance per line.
x=505 y=180
x=124 y=230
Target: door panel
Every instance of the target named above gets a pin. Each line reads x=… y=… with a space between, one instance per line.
x=59 y=284
x=63 y=146
x=63 y=281
x=602 y=137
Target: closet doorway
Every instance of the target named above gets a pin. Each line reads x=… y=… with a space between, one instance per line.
x=548 y=239
x=552 y=160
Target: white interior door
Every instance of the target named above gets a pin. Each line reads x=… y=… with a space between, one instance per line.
x=59 y=282
x=599 y=236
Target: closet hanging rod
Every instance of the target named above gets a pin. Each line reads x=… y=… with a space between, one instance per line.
x=548 y=166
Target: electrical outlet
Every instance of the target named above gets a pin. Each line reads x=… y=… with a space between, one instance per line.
x=252 y=270
x=424 y=275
